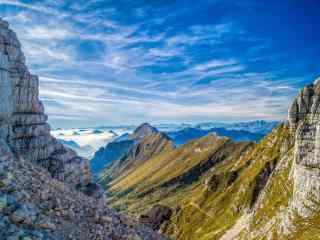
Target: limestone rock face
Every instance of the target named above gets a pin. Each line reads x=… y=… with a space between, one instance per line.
x=45 y=189
x=305 y=104
x=35 y=206
x=304 y=119
x=23 y=121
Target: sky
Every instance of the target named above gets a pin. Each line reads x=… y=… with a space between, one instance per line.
x=114 y=62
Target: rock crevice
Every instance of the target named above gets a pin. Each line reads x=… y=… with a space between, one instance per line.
x=304 y=119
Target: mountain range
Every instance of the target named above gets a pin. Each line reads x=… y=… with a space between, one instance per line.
x=145 y=142
x=119 y=147
x=214 y=187
x=187 y=134
x=210 y=182
x=87 y=142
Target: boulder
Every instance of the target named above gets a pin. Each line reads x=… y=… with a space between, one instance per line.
x=156 y=216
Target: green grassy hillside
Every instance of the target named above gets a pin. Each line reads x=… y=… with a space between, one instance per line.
x=217 y=189
x=146 y=147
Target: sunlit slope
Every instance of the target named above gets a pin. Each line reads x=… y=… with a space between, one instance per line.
x=240 y=192
x=147 y=147
x=247 y=194
x=157 y=178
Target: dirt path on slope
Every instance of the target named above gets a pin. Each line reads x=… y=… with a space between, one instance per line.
x=237 y=228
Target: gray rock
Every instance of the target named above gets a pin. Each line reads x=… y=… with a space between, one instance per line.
x=46 y=190
x=304 y=119
x=25 y=214
x=156 y=216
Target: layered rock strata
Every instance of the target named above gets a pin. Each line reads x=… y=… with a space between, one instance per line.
x=23 y=123
x=39 y=178
x=304 y=119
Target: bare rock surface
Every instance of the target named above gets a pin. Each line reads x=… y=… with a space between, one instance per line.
x=46 y=190
x=23 y=121
x=304 y=119
x=156 y=216
x=33 y=205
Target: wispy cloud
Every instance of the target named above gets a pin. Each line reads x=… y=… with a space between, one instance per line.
x=40 y=8
x=101 y=61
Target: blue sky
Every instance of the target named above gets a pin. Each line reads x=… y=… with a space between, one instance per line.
x=119 y=62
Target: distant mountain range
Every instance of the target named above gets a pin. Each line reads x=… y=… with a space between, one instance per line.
x=90 y=140
x=260 y=126
x=187 y=134
x=112 y=160
x=86 y=151
x=131 y=150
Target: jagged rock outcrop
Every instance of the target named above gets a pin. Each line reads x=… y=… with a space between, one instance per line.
x=212 y=183
x=23 y=123
x=39 y=177
x=156 y=216
x=304 y=119
x=143 y=130
x=261 y=180
x=35 y=206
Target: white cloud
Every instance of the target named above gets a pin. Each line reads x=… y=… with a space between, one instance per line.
x=47 y=33
x=40 y=8
x=215 y=63
x=113 y=85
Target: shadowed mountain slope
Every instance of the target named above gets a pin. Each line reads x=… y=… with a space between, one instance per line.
x=146 y=142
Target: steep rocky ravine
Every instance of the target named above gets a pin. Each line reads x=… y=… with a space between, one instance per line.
x=46 y=190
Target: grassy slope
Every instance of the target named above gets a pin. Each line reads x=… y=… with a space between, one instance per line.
x=160 y=170
x=208 y=214
x=151 y=145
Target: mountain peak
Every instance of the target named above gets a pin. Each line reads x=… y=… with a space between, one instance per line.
x=143 y=130
x=304 y=120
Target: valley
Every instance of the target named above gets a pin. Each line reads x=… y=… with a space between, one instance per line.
x=159 y=120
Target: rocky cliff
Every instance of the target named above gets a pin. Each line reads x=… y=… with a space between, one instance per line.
x=304 y=119
x=39 y=178
x=23 y=123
